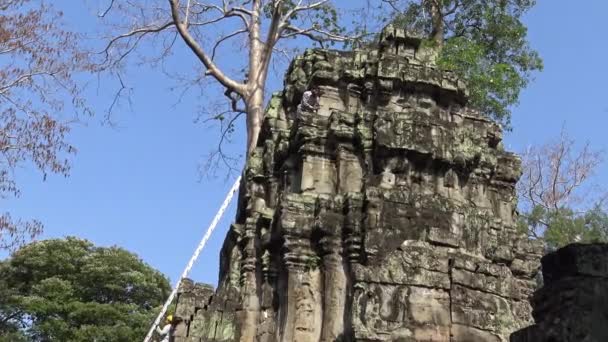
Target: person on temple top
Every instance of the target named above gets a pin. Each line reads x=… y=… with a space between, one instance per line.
x=310 y=100
x=168 y=330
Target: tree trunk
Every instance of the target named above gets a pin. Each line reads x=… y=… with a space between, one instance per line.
x=256 y=79
x=437 y=32
x=254 y=101
x=255 y=113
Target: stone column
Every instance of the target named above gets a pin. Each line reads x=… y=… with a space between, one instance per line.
x=300 y=311
x=308 y=303
x=250 y=301
x=352 y=227
x=302 y=302
x=334 y=288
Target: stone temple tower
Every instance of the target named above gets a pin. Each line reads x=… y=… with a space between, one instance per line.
x=388 y=215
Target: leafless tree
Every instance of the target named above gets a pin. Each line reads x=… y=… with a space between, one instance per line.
x=206 y=27
x=558 y=175
x=38 y=60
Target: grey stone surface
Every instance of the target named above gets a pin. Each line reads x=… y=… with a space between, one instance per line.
x=572 y=305
x=388 y=215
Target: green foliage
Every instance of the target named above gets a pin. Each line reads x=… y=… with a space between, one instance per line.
x=312 y=263
x=70 y=290
x=564 y=226
x=485 y=42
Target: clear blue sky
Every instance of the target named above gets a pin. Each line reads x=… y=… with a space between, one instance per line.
x=137 y=186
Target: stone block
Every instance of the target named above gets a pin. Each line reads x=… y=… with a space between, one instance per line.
x=526 y=268
x=407 y=268
x=186 y=305
x=480 y=310
x=573 y=303
x=429 y=307
x=464 y=333
x=576 y=260
x=444 y=237
x=505 y=287
x=186 y=339
x=181 y=329
x=350 y=174
x=432 y=333
x=318 y=175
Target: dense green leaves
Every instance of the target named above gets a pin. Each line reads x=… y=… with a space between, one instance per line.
x=485 y=42
x=563 y=226
x=10 y=313
x=70 y=290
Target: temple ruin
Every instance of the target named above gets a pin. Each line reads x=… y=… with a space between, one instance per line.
x=572 y=305
x=388 y=215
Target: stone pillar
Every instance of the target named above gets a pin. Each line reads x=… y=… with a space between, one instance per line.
x=302 y=301
x=353 y=206
x=249 y=291
x=308 y=305
x=334 y=288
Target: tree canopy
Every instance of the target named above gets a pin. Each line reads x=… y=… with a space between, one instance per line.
x=483 y=41
x=558 y=201
x=564 y=226
x=70 y=290
x=39 y=60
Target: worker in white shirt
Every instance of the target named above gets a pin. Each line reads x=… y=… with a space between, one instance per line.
x=310 y=100
x=168 y=330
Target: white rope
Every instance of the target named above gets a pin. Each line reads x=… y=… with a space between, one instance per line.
x=198 y=250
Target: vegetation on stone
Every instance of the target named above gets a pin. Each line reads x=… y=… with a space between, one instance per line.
x=485 y=42
x=388 y=215
x=70 y=290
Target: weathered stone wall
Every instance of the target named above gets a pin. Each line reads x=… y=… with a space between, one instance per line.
x=389 y=215
x=204 y=315
x=572 y=305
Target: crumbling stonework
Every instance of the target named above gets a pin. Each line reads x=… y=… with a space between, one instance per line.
x=572 y=305
x=199 y=310
x=388 y=215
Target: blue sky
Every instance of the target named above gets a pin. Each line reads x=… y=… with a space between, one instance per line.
x=137 y=186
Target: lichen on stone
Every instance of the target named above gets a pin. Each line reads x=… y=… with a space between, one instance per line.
x=387 y=215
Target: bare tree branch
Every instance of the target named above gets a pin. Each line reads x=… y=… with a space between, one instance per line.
x=225 y=38
x=199 y=23
x=316 y=34
x=142 y=31
x=300 y=8
x=557 y=176
x=107 y=10
x=38 y=71
x=201 y=54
